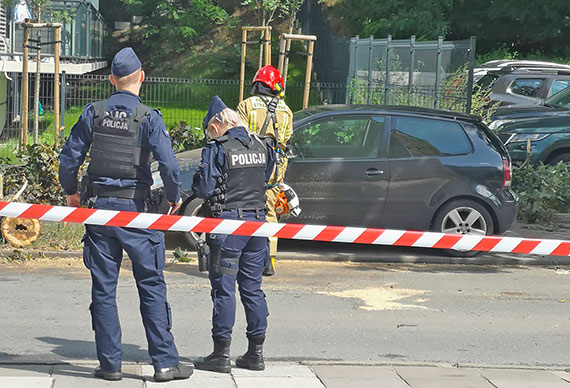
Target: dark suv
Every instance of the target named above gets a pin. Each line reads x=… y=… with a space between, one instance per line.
x=393 y=167
x=522 y=82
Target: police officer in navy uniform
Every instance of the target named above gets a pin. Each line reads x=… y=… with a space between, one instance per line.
x=234 y=169
x=121 y=134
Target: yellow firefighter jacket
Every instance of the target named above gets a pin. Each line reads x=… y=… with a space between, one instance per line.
x=253 y=112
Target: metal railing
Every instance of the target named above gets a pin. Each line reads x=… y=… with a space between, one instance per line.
x=181 y=100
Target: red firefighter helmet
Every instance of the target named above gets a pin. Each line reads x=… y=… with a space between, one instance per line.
x=271 y=77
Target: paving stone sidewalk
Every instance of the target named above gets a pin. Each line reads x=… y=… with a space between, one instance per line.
x=290 y=375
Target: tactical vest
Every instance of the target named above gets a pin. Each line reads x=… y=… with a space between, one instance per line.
x=246 y=173
x=116 y=148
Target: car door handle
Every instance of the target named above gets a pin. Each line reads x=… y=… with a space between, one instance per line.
x=374 y=172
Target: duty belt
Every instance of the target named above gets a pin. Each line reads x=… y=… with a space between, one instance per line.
x=120 y=192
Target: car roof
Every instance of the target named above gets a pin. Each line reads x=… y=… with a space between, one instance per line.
x=502 y=63
x=520 y=67
x=383 y=109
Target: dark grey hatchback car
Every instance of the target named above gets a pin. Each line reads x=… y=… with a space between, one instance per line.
x=393 y=167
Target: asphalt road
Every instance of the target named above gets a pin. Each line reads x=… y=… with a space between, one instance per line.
x=368 y=312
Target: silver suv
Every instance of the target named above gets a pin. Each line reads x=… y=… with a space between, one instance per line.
x=522 y=82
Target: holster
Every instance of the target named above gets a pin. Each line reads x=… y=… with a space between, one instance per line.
x=85 y=191
x=203 y=256
x=215 y=262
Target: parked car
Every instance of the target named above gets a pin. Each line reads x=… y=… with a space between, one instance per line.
x=549 y=139
x=392 y=167
x=557 y=105
x=522 y=82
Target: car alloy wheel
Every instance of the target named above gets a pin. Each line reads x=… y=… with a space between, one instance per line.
x=463 y=216
x=464 y=220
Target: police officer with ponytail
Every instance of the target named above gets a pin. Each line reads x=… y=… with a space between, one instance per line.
x=121 y=133
x=235 y=167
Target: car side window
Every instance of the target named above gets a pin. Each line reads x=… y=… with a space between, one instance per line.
x=559 y=85
x=526 y=86
x=415 y=137
x=339 y=137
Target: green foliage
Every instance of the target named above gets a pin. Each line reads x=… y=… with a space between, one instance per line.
x=265 y=9
x=181 y=256
x=60 y=236
x=543 y=190
x=175 y=25
x=401 y=19
x=524 y=26
x=17 y=255
x=39 y=166
x=185 y=137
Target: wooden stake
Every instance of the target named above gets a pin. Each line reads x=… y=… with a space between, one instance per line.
x=242 y=70
x=24 y=104
x=308 y=74
x=56 y=84
x=37 y=88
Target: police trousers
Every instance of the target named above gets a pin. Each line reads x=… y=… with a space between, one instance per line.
x=240 y=258
x=102 y=255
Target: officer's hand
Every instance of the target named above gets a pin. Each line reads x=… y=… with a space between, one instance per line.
x=73 y=200
x=175 y=206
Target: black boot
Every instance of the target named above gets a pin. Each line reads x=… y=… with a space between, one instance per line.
x=253 y=358
x=219 y=359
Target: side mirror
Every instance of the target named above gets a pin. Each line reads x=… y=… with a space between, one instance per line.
x=292 y=153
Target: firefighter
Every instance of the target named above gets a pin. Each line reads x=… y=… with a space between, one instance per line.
x=121 y=134
x=267 y=115
x=233 y=172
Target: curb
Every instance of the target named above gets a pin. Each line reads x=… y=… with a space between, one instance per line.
x=561 y=218
x=336 y=257
x=331 y=363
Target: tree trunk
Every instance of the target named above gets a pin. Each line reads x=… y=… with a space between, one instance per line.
x=21 y=232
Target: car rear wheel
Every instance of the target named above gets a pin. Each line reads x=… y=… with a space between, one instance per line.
x=192 y=209
x=564 y=158
x=463 y=217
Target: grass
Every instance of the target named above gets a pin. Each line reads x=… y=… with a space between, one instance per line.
x=57 y=236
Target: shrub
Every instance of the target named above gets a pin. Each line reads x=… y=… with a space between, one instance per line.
x=39 y=166
x=185 y=137
x=543 y=190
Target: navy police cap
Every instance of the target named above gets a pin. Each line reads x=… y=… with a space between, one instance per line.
x=125 y=62
x=216 y=106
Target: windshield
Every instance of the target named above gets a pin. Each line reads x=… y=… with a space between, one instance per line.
x=301 y=115
x=561 y=99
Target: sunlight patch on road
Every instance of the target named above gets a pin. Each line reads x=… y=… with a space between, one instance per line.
x=382 y=298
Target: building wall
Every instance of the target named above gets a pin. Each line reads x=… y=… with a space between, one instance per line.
x=2 y=27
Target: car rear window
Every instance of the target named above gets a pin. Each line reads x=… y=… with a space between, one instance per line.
x=492 y=139
x=416 y=137
x=526 y=86
x=487 y=81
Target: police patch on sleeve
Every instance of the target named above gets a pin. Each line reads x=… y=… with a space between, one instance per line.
x=244 y=159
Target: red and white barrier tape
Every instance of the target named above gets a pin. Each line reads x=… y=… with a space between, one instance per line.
x=291 y=231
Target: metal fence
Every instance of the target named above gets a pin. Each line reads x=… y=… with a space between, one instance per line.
x=435 y=74
x=180 y=100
